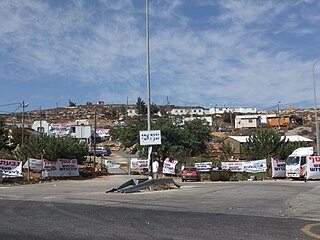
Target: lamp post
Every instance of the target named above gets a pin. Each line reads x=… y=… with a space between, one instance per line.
x=315 y=105
x=148 y=85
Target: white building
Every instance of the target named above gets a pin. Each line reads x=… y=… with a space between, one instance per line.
x=244 y=110
x=191 y=111
x=81 y=132
x=131 y=112
x=219 y=110
x=247 y=121
x=41 y=126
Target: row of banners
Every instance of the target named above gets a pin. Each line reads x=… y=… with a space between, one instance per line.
x=69 y=167
x=169 y=165
x=48 y=168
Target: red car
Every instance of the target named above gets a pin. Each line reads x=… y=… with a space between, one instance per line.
x=190 y=173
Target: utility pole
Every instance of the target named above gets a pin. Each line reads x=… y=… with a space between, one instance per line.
x=24 y=105
x=278 y=113
x=94 y=143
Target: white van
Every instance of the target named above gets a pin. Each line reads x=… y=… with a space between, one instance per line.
x=296 y=162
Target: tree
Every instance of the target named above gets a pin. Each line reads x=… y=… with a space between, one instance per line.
x=177 y=141
x=71 y=104
x=265 y=144
x=195 y=135
x=3 y=135
x=141 y=106
x=227 y=151
x=49 y=147
x=154 y=108
x=17 y=135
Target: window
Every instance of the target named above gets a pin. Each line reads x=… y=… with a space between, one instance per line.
x=250 y=120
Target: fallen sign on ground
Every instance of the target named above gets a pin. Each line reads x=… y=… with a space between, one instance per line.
x=137 y=185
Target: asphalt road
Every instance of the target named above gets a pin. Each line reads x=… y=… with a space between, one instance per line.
x=205 y=210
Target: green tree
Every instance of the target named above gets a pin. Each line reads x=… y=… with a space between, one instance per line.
x=3 y=134
x=141 y=106
x=195 y=135
x=265 y=143
x=71 y=104
x=227 y=150
x=52 y=148
x=177 y=141
x=154 y=108
x=17 y=136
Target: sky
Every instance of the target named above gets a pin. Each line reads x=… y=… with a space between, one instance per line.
x=233 y=53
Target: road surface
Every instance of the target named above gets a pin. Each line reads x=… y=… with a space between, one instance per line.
x=198 y=210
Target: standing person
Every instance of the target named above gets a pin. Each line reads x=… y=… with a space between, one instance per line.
x=155 y=169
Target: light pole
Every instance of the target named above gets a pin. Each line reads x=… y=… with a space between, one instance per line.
x=315 y=105
x=148 y=85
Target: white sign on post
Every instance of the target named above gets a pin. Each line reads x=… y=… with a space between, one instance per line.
x=152 y=137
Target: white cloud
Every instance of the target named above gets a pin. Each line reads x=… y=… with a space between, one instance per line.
x=243 y=53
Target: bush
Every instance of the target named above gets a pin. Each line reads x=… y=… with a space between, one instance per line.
x=223 y=175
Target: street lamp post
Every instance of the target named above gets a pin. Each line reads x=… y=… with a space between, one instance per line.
x=148 y=84
x=315 y=105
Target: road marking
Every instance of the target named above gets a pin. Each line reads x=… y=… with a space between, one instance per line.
x=307 y=230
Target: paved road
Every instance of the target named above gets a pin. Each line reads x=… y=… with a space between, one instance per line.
x=205 y=210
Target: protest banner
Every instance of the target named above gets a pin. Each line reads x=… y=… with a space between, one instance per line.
x=169 y=166
x=60 y=168
x=10 y=168
x=313 y=167
x=248 y=166
x=233 y=166
x=35 y=164
x=139 y=163
x=255 y=166
x=203 y=166
x=278 y=168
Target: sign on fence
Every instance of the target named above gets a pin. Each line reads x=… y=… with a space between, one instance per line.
x=248 y=166
x=203 y=166
x=60 y=168
x=278 y=168
x=35 y=164
x=10 y=168
x=139 y=163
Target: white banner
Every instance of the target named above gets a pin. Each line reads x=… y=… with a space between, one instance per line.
x=203 y=166
x=35 y=164
x=139 y=163
x=110 y=164
x=255 y=166
x=313 y=167
x=10 y=168
x=169 y=166
x=233 y=166
x=248 y=166
x=60 y=168
x=278 y=168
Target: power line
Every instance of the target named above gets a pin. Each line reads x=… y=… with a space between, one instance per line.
x=9 y=104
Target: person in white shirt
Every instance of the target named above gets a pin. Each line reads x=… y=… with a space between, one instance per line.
x=155 y=169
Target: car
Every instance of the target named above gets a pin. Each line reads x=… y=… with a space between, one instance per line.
x=105 y=151
x=190 y=173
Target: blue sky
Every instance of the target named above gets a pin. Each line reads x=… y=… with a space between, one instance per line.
x=203 y=52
